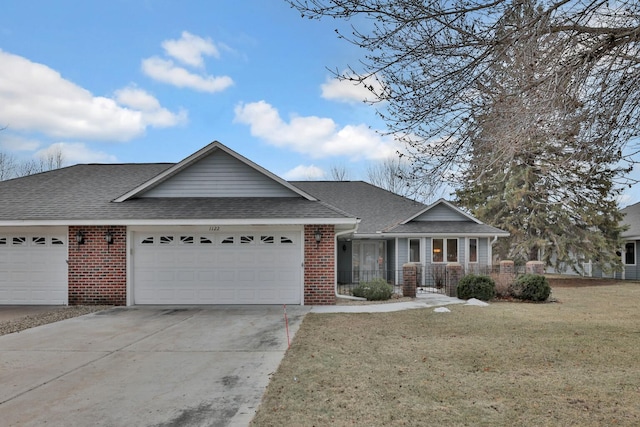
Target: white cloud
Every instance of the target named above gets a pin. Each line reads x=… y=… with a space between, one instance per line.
x=166 y=71
x=314 y=136
x=73 y=153
x=12 y=142
x=302 y=172
x=36 y=98
x=152 y=112
x=350 y=92
x=189 y=49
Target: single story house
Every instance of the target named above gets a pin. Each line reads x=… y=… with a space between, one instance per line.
x=215 y=228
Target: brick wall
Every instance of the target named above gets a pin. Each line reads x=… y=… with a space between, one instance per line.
x=97 y=271
x=319 y=266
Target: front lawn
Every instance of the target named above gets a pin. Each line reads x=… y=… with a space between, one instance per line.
x=572 y=362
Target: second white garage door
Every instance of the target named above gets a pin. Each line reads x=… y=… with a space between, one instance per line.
x=33 y=266
x=192 y=267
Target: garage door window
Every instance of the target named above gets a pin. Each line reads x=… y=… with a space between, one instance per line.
x=228 y=240
x=286 y=240
x=3 y=240
x=56 y=241
x=266 y=239
x=246 y=239
x=166 y=240
x=205 y=240
x=19 y=241
x=186 y=240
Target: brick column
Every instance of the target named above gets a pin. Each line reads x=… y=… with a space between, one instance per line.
x=534 y=267
x=409 y=280
x=319 y=265
x=454 y=274
x=97 y=270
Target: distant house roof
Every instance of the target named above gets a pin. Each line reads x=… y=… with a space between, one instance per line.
x=632 y=220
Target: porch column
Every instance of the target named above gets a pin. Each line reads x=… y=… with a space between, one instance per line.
x=454 y=274
x=534 y=267
x=409 y=280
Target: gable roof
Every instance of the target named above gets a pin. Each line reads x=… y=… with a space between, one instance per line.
x=384 y=212
x=631 y=219
x=212 y=149
x=377 y=208
x=83 y=194
x=448 y=206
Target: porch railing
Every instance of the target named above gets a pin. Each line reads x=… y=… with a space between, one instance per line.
x=431 y=278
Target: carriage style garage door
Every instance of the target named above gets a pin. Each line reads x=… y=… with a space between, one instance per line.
x=33 y=267
x=217 y=267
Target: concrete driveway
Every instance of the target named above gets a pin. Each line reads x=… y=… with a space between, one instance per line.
x=144 y=366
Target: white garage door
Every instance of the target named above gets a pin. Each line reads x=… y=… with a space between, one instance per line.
x=33 y=267
x=247 y=267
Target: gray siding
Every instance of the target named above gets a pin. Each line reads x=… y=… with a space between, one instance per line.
x=403 y=252
x=219 y=175
x=483 y=252
x=441 y=212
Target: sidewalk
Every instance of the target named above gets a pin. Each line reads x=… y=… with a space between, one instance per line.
x=423 y=300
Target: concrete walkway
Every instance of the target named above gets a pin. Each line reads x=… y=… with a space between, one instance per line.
x=423 y=300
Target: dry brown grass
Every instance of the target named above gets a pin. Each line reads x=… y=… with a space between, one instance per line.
x=573 y=362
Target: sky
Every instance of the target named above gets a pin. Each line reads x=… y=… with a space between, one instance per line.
x=124 y=81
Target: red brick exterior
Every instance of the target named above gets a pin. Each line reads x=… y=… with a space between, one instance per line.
x=319 y=265
x=98 y=271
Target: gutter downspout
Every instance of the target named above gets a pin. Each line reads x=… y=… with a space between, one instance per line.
x=495 y=239
x=335 y=279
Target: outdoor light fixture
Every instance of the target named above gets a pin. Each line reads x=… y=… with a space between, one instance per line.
x=318 y=236
x=79 y=237
x=108 y=236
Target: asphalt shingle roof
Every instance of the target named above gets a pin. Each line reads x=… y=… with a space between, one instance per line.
x=85 y=192
x=377 y=208
x=631 y=219
x=445 y=227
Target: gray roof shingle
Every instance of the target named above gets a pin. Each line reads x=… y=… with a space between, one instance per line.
x=85 y=192
x=377 y=208
x=632 y=220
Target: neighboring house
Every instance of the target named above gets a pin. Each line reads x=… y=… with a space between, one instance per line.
x=215 y=228
x=628 y=253
x=631 y=239
x=394 y=231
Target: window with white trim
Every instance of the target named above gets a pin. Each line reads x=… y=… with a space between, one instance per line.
x=445 y=250
x=473 y=250
x=414 y=250
x=630 y=253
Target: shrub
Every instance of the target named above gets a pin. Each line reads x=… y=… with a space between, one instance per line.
x=374 y=290
x=476 y=286
x=531 y=287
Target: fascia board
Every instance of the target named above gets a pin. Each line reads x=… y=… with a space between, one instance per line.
x=169 y=222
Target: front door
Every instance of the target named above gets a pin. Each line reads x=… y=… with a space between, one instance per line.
x=369 y=260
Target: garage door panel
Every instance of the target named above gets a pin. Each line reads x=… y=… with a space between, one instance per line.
x=228 y=268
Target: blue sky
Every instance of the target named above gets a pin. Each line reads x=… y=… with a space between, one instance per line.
x=156 y=80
